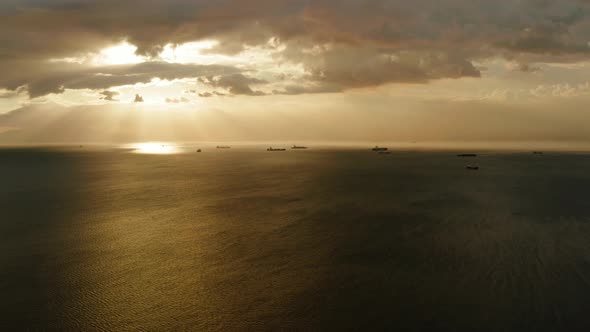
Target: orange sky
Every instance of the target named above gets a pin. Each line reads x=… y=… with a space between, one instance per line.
x=379 y=70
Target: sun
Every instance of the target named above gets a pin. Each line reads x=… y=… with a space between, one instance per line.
x=120 y=54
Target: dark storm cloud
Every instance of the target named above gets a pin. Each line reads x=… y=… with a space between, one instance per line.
x=341 y=43
x=57 y=78
x=352 y=67
x=238 y=84
x=109 y=95
x=208 y=94
x=138 y=99
x=527 y=68
x=546 y=40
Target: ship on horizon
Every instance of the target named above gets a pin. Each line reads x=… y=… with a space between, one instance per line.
x=274 y=149
x=295 y=147
x=378 y=149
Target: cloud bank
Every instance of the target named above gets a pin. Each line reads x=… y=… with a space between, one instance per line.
x=338 y=44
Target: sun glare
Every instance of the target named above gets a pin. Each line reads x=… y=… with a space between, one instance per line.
x=123 y=53
x=193 y=52
x=154 y=148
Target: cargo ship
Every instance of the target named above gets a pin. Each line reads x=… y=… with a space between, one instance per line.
x=378 y=149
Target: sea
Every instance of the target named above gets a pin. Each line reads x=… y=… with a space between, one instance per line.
x=163 y=238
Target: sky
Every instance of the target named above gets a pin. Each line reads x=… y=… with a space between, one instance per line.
x=324 y=70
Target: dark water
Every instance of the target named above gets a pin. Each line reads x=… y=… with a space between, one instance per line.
x=320 y=240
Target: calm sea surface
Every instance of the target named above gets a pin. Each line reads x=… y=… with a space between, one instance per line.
x=244 y=239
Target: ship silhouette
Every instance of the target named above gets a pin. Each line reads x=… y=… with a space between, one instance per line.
x=378 y=149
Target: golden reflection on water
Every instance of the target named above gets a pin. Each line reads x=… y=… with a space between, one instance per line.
x=154 y=148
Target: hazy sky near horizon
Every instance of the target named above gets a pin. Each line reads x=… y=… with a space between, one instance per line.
x=294 y=69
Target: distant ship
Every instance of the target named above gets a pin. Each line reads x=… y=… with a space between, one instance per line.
x=378 y=149
x=467 y=155
x=223 y=147
x=271 y=149
x=472 y=168
x=295 y=147
x=199 y=150
x=537 y=152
